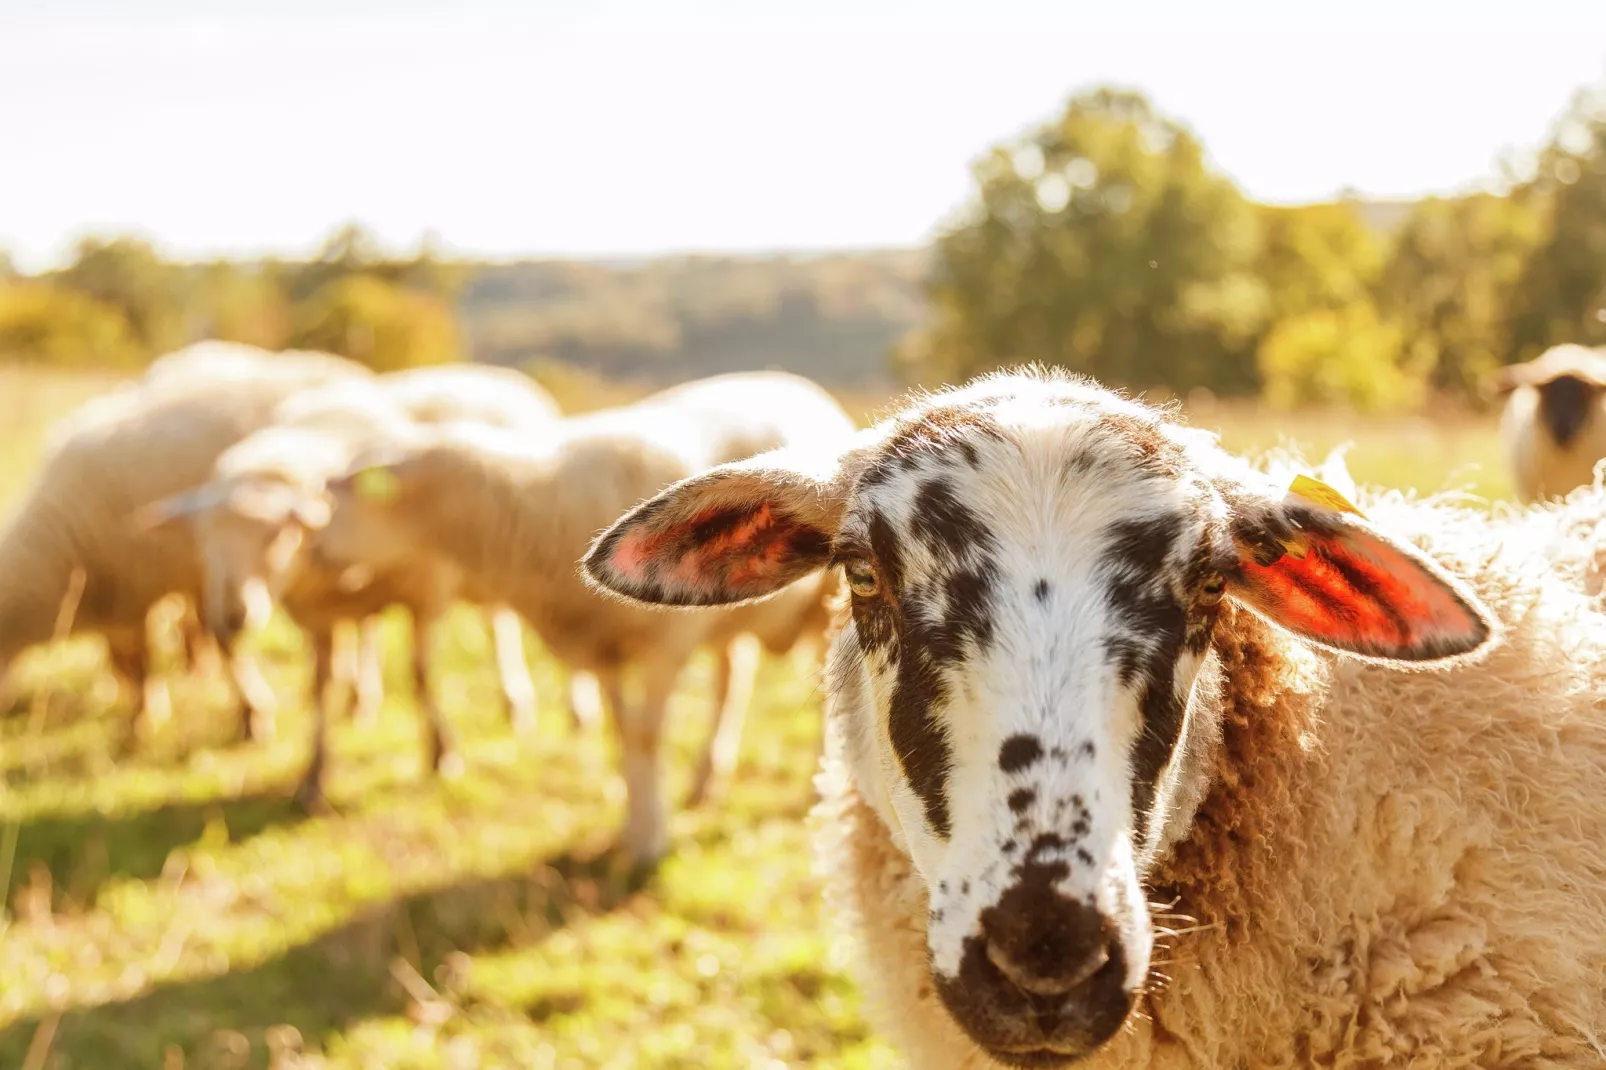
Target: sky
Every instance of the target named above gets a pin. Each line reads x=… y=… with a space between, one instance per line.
x=632 y=127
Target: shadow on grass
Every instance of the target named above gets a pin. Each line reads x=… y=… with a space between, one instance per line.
x=83 y=852
x=320 y=989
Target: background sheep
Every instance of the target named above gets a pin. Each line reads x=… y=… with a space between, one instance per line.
x=253 y=520
x=115 y=454
x=1059 y=701
x=1554 y=425
x=516 y=512
x=477 y=393
x=500 y=397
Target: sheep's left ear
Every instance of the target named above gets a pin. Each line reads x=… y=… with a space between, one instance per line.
x=1330 y=577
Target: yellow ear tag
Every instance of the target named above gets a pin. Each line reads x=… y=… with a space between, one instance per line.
x=1318 y=493
x=1315 y=492
x=377 y=484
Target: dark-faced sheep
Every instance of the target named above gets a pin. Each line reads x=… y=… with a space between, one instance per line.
x=1553 y=428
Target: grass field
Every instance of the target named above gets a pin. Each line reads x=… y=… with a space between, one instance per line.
x=175 y=911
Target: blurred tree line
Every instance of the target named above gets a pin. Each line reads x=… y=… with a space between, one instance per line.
x=119 y=304
x=1103 y=242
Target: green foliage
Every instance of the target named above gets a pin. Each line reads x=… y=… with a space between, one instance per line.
x=1342 y=356
x=1449 y=284
x=127 y=274
x=1561 y=294
x=1317 y=256
x=243 y=303
x=378 y=323
x=41 y=323
x=1104 y=243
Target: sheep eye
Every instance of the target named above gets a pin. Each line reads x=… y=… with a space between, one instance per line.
x=1213 y=590
x=861 y=577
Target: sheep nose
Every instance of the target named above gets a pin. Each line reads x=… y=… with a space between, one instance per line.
x=1048 y=946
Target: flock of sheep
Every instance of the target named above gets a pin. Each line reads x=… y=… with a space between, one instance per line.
x=242 y=479
x=1138 y=755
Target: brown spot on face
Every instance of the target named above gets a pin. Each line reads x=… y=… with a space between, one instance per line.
x=1019 y=753
x=1021 y=798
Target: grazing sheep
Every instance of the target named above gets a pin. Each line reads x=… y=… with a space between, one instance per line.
x=253 y=519
x=1138 y=761
x=102 y=463
x=241 y=363
x=501 y=397
x=476 y=393
x=516 y=511
x=1554 y=424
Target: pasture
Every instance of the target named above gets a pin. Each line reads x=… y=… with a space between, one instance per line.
x=174 y=910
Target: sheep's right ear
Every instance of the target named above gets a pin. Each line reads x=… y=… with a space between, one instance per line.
x=738 y=532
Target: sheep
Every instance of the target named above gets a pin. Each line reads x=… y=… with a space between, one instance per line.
x=255 y=520
x=241 y=363
x=1136 y=760
x=516 y=511
x=102 y=463
x=501 y=397
x=1553 y=428
x=476 y=393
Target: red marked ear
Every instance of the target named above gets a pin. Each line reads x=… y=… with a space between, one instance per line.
x=736 y=533
x=1336 y=581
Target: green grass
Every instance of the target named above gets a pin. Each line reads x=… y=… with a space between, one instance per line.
x=174 y=910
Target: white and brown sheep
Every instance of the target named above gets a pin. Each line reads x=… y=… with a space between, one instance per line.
x=516 y=511
x=1138 y=761
x=1553 y=428
x=101 y=464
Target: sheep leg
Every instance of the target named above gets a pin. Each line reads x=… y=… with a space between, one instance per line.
x=438 y=755
x=738 y=666
x=517 y=686
x=646 y=833
x=370 y=675
x=131 y=661
x=309 y=794
x=258 y=707
x=585 y=702
x=201 y=654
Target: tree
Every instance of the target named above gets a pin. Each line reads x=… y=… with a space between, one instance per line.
x=128 y=274
x=1561 y=293
x=243 y=303
x=1338 y=356
x=1101 y=242
x=378 y=323
x=45 y=324
x=1316 y=256
x=1449 y=283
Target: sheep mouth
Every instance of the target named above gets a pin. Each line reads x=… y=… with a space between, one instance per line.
x=1038 y=1058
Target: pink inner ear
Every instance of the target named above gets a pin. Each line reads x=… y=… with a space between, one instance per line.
x=741 y=552
x=1359 y=595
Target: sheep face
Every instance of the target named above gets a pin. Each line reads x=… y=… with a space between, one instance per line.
x=249 y=534
x=369 y=525
x=1036 y=569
